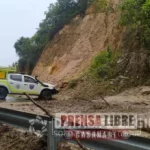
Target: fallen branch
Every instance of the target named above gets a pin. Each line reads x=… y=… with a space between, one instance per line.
x=47 y=113
x=105 y=100
x=79 y=143
x=83 y=99
x=39 y=106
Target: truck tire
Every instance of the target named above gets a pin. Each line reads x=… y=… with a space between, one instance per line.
x=46 y=95
x=3 y=93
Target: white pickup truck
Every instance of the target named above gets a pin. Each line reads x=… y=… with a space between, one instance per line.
x=13 y=83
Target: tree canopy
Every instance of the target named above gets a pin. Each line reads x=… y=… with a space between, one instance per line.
x=135 y=14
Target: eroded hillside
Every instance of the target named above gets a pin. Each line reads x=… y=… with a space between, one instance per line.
x=71 y=50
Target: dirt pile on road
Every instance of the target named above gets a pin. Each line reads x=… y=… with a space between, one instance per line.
x=14 y=139
x=11 y=139
x=132 y=100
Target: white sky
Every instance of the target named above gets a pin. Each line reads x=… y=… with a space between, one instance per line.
x=18 y=18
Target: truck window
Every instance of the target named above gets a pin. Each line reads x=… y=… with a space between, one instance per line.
x=29 y=80
x=16 y=78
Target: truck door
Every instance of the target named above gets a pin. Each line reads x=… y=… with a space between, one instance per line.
x=15 y=83
x=31 y=86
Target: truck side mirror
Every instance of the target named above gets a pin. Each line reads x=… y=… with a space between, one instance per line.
x=36 y=79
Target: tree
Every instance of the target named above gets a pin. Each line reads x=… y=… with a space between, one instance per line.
x=136 y=15
x=28 y=53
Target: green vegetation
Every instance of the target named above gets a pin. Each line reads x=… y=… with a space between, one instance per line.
x=100 y=5
x=58 y=14
x=136 y=15
x=72 y=83
x=28 y=52
x=103 y=65
x=8 y=69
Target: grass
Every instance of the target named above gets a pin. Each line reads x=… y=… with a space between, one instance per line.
x=102 y=6
x=98 y=79
x=103 y=65
x=72 y=83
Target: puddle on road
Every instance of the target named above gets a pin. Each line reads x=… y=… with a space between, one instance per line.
x=12 y=98
x=16 y=102
x=16 y=99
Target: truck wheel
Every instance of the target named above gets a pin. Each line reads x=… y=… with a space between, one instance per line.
x=3 y=93
x=46 y=94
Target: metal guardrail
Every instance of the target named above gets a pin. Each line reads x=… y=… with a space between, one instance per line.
x=21 y=120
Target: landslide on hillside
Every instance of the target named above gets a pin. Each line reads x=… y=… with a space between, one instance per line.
x=71 y=50
x=69 y=54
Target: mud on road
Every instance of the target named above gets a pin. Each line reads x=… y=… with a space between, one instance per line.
x=12 y=139
x=135 y=100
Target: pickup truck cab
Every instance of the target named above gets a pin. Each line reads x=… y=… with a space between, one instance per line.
x=14 y=83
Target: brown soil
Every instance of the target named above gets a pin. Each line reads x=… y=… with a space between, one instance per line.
x=15 y=139
x=12 y=139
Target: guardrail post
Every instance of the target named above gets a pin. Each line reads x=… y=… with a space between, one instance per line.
x=51 y=139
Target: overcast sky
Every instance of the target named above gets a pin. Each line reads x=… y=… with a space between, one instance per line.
x=18 y=18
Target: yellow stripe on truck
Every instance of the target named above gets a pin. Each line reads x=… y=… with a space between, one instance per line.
x=17 y=91
x=13 y=90
x=2 y=75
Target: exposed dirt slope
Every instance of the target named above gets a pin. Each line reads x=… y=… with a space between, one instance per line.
x=72 y=49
